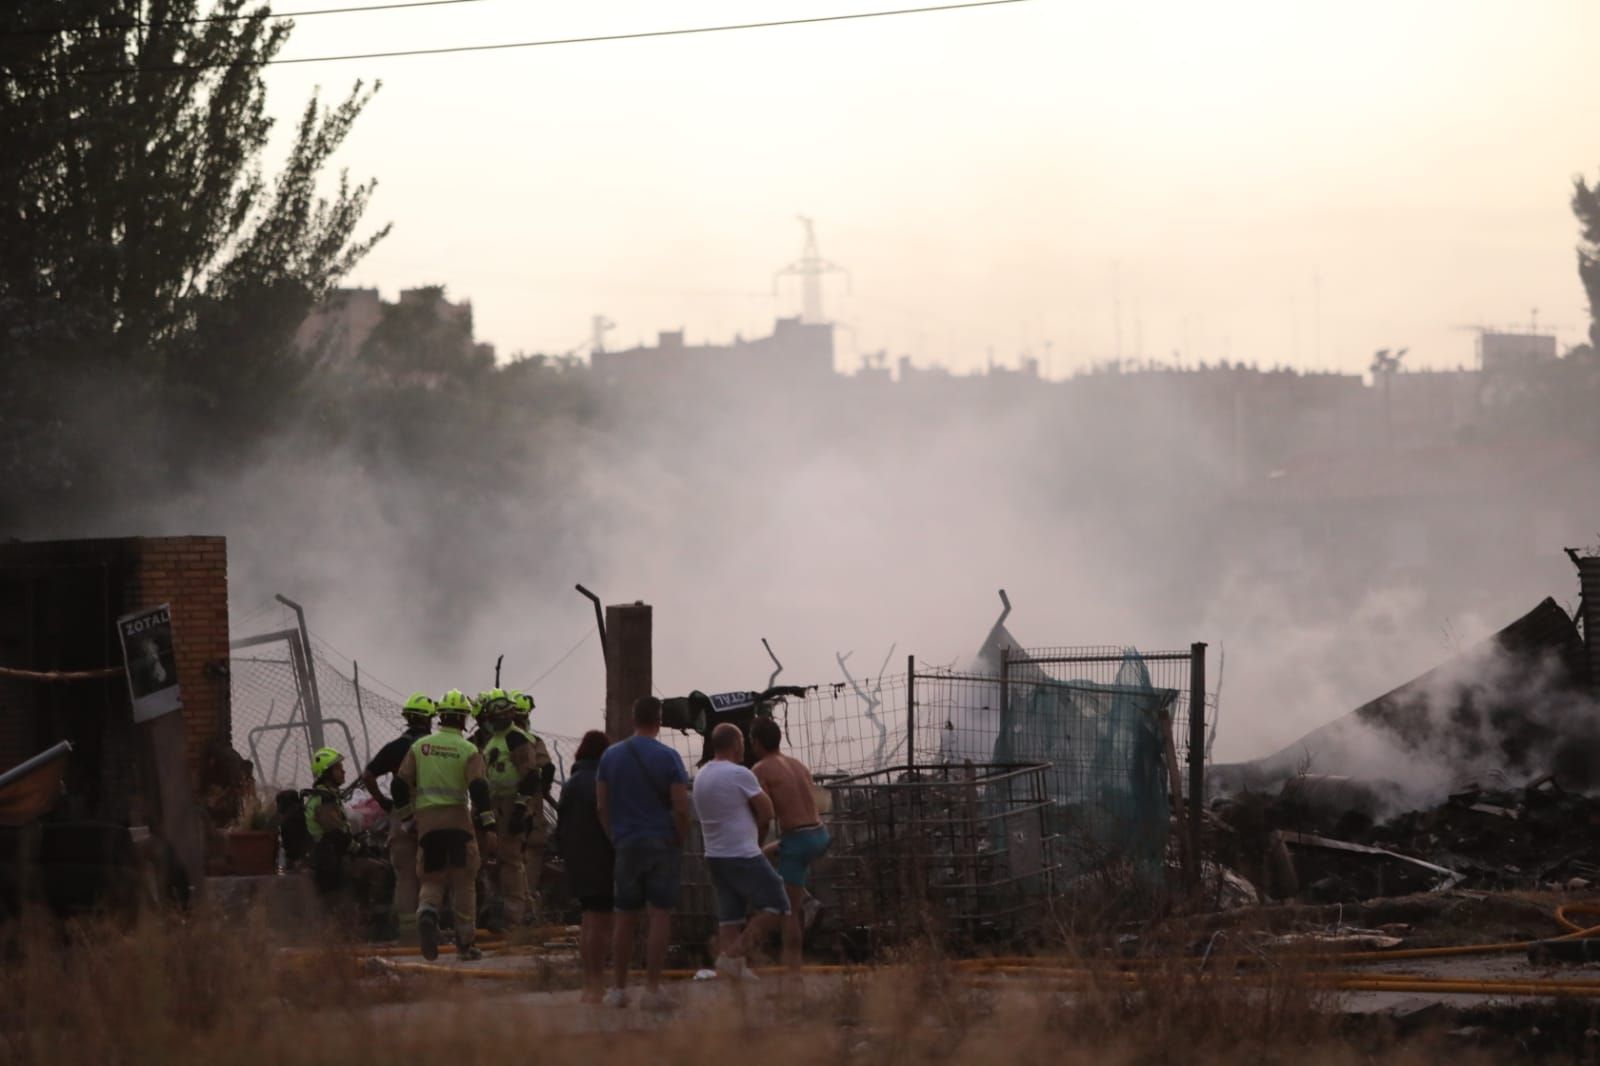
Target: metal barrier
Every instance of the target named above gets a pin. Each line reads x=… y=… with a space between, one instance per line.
x=1124 y=733
x=957 y=854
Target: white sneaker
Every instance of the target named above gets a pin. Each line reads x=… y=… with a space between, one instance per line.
x=736 y=967
x=809 y=911
x=615 y=997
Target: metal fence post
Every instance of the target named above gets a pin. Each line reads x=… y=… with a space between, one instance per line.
x=1005 y=684
x=361 y=712
x=308 y=709
x=911 y=712
x=1197 y=751
x=313 y=707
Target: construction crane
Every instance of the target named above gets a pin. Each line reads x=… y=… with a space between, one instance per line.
x=810 y=268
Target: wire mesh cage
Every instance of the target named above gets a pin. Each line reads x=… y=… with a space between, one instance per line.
x=960 y=853
x=957 y=854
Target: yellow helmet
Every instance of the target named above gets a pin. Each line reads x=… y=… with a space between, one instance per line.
x=456 y=702
x=521 y=704
x=493 y=702
x=323 y=760
x=420 y=704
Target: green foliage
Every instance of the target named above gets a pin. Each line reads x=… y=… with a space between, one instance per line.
x=153 y=278
x=426 y=335
x=1586 y=205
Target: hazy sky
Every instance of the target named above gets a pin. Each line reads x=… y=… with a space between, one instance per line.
x=995 y=178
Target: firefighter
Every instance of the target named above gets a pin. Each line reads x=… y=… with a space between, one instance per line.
x=514 y=787
x=347 y=882
x=418 y=712
x=326 y=823
x=538 y=835
x=437 y=779
x=481 y=733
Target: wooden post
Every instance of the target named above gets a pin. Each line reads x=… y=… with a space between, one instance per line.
x=628 y=664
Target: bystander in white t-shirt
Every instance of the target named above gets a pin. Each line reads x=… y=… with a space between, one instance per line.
x=722 y=793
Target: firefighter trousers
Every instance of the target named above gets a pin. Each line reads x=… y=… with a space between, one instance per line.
x=447 y=861
x=508 y=883
x=403 y=857
x=533 y=846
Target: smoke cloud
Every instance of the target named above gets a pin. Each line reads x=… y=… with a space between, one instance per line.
x=849 y=515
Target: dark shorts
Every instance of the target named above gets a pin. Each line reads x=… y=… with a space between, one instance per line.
x=444 y=849
x=601 y=904
x=797 y=850
x=647 y=872
x=746 y=885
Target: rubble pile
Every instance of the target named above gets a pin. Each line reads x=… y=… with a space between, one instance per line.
x=1514 y=706
x=1540 y=836
x=1297 y=845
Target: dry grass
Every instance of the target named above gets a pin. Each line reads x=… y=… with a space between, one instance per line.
x=199 y=990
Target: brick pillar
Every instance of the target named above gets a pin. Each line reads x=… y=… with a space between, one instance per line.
x=191 y=574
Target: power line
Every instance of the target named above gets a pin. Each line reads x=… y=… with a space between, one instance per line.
x=598 y=39
x=200 y=20
x=557 y=664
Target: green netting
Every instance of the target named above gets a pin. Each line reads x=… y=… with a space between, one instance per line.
x=1108 y=780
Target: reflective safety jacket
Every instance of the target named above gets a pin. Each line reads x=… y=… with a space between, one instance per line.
x=508 y=758
x=324 y=813
x=441 y=760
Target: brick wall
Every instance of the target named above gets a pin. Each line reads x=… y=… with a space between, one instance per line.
x=59 y=601
x=190 y=573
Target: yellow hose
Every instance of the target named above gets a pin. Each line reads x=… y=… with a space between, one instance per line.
x=1574 y=931
x=1341 y=982
x=992 y=971
x=996 y=978
x=522 y=975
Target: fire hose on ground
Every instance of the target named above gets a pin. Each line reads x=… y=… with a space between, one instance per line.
x=1000 y=972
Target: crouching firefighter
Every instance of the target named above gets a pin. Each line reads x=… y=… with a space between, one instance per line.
x=438 y=778
x=326 y=823
x=341 y=876
x=537 y=839
x=517 y=791
x=419 y=710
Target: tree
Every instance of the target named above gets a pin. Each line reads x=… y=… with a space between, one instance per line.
x=1586 y=205
x=153 y=278
x=425 y=335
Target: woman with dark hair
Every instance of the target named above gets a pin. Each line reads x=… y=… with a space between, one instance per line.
x=584 y=847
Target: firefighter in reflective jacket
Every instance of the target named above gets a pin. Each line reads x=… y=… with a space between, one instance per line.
x=329 y=829
x=538 y=835
x=437 y=778
x=419 y=710
x=515 y=788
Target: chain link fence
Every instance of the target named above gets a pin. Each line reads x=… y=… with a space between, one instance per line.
x=942 y=716
x=291 y=696
x=1110 y=728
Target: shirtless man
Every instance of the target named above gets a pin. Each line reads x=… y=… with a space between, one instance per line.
x=803 y=839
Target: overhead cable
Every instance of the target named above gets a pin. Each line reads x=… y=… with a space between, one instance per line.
x=200 y=20
x=549 y=42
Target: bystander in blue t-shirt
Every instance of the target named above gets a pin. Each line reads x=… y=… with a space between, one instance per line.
x=639 y=774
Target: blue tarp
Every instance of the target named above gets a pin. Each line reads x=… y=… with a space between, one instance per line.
x=1108 y=778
